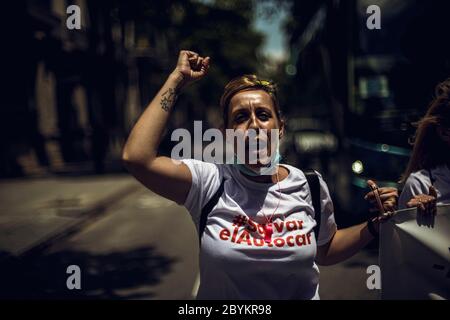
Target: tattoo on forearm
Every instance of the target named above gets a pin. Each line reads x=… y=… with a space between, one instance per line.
x=168 y=99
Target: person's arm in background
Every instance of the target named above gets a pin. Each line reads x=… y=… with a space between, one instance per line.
x=425 y=203
x=164 y=176
x=418 y=193
x=346 y=242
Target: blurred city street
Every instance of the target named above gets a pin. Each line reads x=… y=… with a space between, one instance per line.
x=349 y=87
x=128 y=242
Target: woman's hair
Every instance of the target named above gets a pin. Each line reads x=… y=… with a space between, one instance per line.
x=429 y=149
x=248 y=82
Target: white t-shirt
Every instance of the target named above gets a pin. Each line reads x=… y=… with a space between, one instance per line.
x=419 y=183
x=235 y=261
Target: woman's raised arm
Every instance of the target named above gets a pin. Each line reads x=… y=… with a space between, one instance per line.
x=164 y=176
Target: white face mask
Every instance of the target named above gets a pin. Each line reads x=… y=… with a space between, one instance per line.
x=262 y=171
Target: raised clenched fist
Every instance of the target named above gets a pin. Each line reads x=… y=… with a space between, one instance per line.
x=191 y=67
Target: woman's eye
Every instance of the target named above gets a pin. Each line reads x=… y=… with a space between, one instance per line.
x=264 y=116
x=239 y=118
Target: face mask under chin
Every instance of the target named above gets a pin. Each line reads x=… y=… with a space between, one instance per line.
x=260 y=169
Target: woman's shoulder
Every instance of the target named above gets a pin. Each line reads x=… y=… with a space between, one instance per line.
x=417 y=183
x=299 y=172
x=423 y=177
x=199 y=163
x=419 y=179
x=294 y=172
x=442 y=170
x=203 y=169
x=299 y=175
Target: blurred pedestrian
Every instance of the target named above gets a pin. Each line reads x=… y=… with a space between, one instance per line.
x=427 y=177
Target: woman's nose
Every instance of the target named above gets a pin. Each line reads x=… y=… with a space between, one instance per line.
x=254 y=124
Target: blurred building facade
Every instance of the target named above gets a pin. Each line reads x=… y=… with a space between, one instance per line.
x=73 y=94
x=366 y=86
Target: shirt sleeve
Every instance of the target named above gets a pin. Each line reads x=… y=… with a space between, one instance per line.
x=327 y=223
x=414 y=185
x=205 y=182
